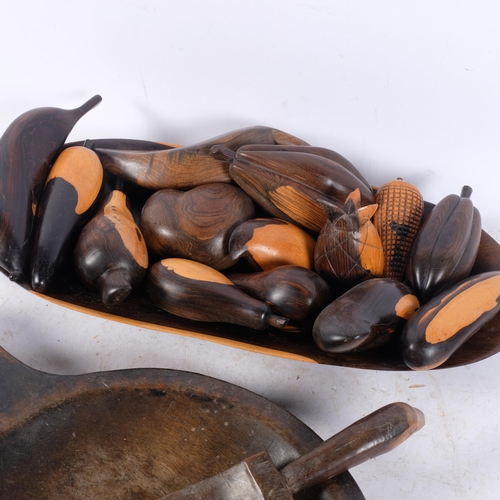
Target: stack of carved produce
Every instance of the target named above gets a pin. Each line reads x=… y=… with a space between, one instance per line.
x=254 y=228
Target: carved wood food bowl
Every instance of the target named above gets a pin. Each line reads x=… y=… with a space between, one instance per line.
x=137 y=434
x=147 y=203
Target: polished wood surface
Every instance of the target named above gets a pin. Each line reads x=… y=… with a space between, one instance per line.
x=28 y=147
x=195 y=224
x=137 y=434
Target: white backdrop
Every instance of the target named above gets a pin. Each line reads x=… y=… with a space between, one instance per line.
x=402 y=89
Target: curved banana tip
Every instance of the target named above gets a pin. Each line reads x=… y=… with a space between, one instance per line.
x=91 y=103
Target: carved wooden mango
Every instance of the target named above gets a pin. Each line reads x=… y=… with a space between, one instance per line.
x=365 y=317
x=265 y=243
x=195 y=224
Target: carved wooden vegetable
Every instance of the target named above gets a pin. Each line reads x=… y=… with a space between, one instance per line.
x=265 y=243
x=446 y=246
x=449 y=319
x=349 y=248
x=110 y=254
x=28 y=148
x=314 y=150
x=292 y=291
x=198 y=292
x=66 y=203
x=293 y=185
x=195 y=224
x=398 y=218
x=189 y=166
x=365 y=317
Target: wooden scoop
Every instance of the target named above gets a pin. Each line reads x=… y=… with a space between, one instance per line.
x=257 y=478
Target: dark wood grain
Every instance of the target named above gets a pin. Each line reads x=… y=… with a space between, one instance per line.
x=295 y=292
x=28 y=147
x=195 y=224
x=187 y=166
x=137 y=434
x=110 y=254
x=294 y=185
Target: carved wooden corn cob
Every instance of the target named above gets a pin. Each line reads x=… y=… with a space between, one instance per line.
x=398 y=218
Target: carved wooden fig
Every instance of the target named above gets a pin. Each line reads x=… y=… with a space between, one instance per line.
x=66 y=205
x=398 y=218
x=445 y=247
x=365 y=317
x=292 y=291
x=449 y=319
x=110 y=254
x=188 y=166
x=28 y=148
x=195 y=224
x=198 y=292
x=349 y=248
x=266 y=243
x=293 y=185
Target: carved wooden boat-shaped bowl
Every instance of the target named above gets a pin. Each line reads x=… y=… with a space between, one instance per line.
x=138 y=310
x=137 y=434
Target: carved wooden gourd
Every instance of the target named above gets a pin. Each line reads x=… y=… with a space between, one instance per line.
x=398 y=218
x=349 y=248
x=110 y=254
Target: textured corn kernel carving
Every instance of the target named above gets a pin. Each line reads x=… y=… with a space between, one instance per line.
x=397 y=221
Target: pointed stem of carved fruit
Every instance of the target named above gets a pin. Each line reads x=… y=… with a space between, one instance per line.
x=220 y=152
x=466 y=192
x=277 y=321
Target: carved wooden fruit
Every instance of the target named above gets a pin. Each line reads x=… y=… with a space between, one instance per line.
x=294 y=292
x=188 y=166
x=266 y=243
x=349 y=248
x=314 y=150
x=195 y=224
x=449 y=319
x=198 y=292
x=398 y=218
x=365 y=317
x=445 y=247
x=293 y=185
x=110 y=254
x=28 y=148
x=66 y=204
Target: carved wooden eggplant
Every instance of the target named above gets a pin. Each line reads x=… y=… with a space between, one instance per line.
x=198 y=292
x=189 y=166
x=28 y=148
x=449 y=319
x=349 y=248
x=110 y=254
x=314 y=150
x=293 y=185
x=266 y=243
x=445 y=247
x=70 y=193
x=365 y=317
x=397 y=220
x=195 y=224
x=294 y=292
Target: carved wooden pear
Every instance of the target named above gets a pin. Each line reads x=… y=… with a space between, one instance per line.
x=349 y=248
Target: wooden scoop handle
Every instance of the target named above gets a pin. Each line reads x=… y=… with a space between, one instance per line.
x=373 y=435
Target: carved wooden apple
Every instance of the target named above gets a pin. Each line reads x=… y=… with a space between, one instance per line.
x=195 y=224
